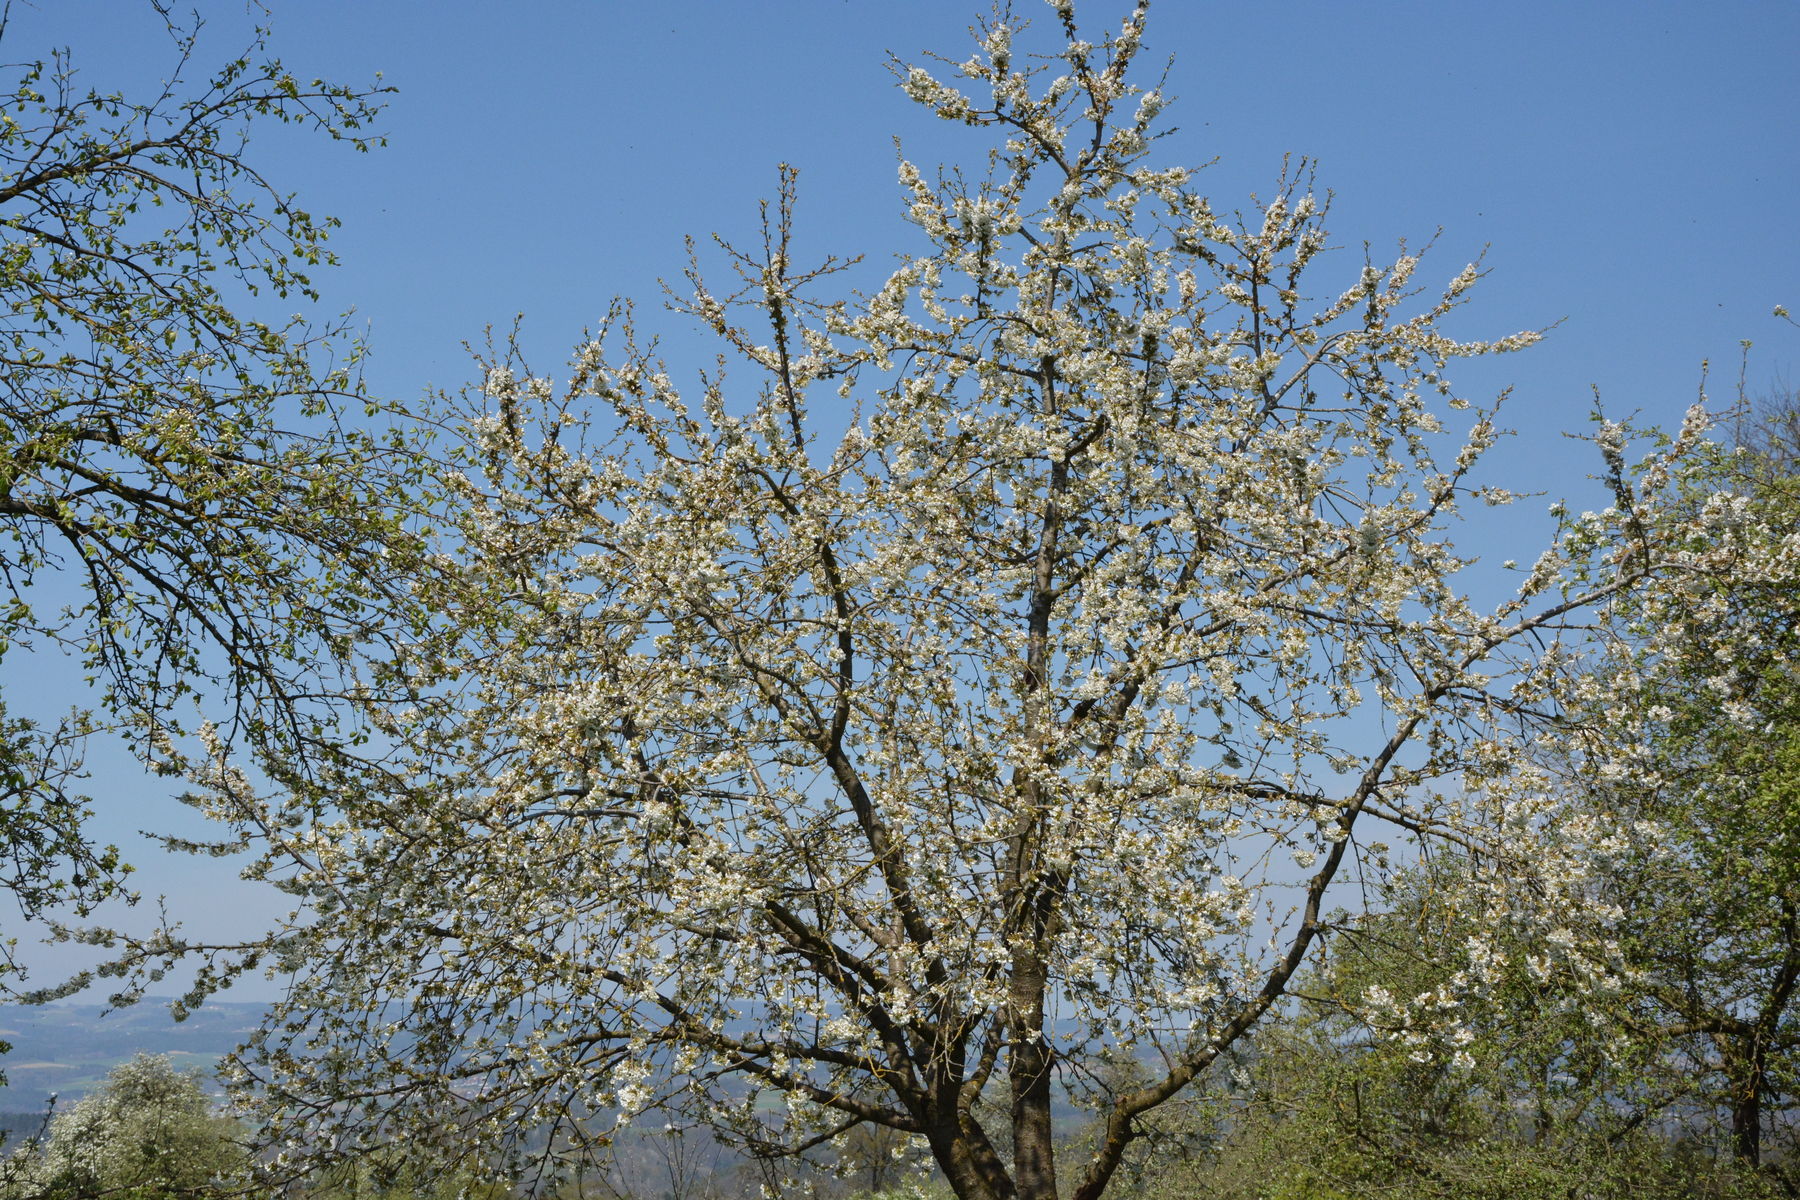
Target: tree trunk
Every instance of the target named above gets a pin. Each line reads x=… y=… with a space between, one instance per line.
x=972 y=1175
x=1030 y=1062
x=1746 y=1104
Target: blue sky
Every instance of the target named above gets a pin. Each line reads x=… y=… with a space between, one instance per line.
x=1630 y=170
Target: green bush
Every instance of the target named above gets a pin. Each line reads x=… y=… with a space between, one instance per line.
x=148 y=1133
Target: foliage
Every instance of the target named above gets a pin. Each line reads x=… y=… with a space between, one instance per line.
x=1538 y=1099
x=376 y=1177
x=1006 y=682
x=1677 y=1083
x=1542 y=1086
x=1706 y=693
x=148 y=1133
x=170 y=461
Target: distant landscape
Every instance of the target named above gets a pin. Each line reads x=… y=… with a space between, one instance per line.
x=66 y=1049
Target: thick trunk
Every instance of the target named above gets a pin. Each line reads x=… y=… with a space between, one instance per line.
x=1030 y=1067
x=973 y=1171
x=1034 y=1152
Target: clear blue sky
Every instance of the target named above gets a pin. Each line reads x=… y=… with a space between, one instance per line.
x=1632 y=169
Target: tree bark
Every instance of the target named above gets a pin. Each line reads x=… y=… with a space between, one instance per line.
x=1030 y=1062
x=971 y=1174
x=1746 y=1105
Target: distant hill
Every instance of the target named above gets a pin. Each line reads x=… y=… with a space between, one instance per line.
x=67 y=1049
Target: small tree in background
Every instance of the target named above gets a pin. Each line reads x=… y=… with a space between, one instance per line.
x=149 y=1132
x=1677 y=1082
x=1537 y=1094
x=1698 y=748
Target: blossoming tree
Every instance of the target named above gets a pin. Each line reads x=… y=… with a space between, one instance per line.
x=1697 y=744
x=995 y=677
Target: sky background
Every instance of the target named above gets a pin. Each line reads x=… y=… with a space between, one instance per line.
x=1629 y=170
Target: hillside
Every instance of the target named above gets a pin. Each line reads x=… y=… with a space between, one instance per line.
x=67 y=1049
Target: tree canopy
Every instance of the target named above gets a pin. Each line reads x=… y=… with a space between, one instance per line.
x=198 y=504
x=1698 y=745
x=960 y=689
